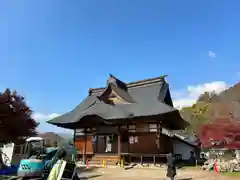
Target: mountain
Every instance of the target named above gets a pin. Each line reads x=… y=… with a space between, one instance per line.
x=211 y=106
x=52 y=138
x=67 y=136
x=226 y=103
x=231 y=94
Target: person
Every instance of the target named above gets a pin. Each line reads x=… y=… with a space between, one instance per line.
x=60 y=154
x=171 y=166
x=94 y=145
x=192 y=158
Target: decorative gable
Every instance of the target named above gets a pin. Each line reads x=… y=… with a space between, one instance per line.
x=115 y=99
x=116 y=92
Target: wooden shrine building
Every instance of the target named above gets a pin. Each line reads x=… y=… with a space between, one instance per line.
x=124 y=119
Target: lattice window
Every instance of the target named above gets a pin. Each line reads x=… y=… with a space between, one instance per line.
x=136 y=139
x=132 y=128
x=152 y=127
x=79 y=132
x=123 y=126
x=133 y=139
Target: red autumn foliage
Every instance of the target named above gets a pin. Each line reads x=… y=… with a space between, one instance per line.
x=221 y=133
x=15 y=117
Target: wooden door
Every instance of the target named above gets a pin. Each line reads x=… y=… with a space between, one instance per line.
x=84 y=144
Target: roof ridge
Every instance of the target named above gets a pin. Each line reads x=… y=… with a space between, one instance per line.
x=137 y=83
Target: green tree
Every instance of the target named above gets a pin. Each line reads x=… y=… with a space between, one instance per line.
x=196 y=115
x=208 y=97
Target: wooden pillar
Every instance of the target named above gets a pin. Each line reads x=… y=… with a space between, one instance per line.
x=119 y=144
x=119 y=141
x=96 y=148
x=128 y=144
x=84 y=148
x=74 y=137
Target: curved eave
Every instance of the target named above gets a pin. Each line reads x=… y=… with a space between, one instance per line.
x=60 y=121
x=72 y=116
x=101 y=110
x=84 y=121
x=108 y=114
x=106 y=91
x=172 y=119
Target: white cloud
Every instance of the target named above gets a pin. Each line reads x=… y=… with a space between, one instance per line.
x=40 y=117
x=44 y=126
x=212 y=54
x=189 y=96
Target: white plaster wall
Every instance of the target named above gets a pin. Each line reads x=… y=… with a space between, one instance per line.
x=182 y=148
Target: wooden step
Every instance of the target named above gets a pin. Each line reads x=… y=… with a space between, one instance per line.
x=108 y=160
x=105 y=158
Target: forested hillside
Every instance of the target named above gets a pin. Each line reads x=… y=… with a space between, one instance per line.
x=211 y=106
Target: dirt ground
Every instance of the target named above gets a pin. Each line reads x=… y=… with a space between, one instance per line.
x=146 y=174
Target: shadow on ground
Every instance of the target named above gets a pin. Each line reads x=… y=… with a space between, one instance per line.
x=83 y=169
x=88 y=173
x=90 y=177
x=180 y=166
x=130 y=167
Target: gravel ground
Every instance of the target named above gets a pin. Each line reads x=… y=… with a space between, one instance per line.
x=143 y=174
x=146 y=174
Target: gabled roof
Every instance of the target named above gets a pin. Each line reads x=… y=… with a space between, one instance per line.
x=188 y=139
x=144 y=98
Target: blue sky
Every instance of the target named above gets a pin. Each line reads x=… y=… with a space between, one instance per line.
x=53 y=51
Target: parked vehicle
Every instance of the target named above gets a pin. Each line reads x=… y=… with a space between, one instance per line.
x=37 y=159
